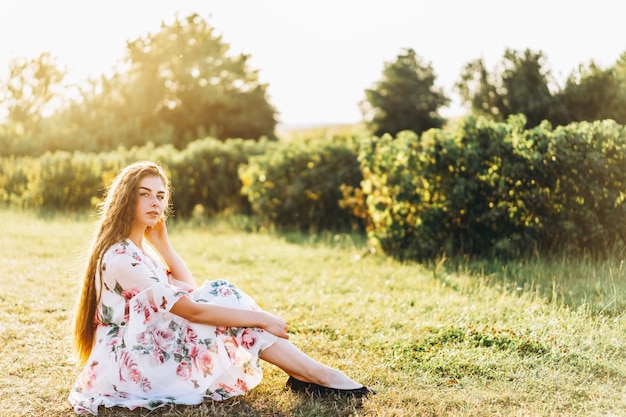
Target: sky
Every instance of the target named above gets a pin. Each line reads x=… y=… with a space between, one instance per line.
x=318 y=58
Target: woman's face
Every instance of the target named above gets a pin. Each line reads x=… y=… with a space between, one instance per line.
x=150 y=201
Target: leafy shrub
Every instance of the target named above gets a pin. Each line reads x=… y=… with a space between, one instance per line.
x=298 y=184
x=58 y=181
x=586 y=176
x=480 y=188
x=206 y=173
x=417 y=195
x=491 y=188
x=14 y=179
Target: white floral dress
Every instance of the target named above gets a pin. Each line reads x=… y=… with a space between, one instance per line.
x=145 y=356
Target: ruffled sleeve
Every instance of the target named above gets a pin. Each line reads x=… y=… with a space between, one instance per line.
x=129 y=273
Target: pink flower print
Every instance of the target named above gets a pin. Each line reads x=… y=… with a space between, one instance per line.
x=147 y=315
x=145 y=385
x=247 y=369
x=158 y=355
x=184 y=370
x=231 y=347
x=248 y=338
x=134 y=375
x=163 y=339
x=149 y=309
x=227 y=389
x=128 y=294
x=144 y=339
x=219 y=330
x=241 y=385
x=126 y=312
x=193 y=352
x=120 y=250
x=205 y=362
x=128 y=366
x=237 y=355
x=190 y=337
x=89 y=377
x=139 y=307
x=115 y=340
x=225 y=291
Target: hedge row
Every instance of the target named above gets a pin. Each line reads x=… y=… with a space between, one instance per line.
x=488 y=188
x=287 y=184
x=478 y=188
x=204 y=173
x=299 y=184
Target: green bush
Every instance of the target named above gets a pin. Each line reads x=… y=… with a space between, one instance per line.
x=58 y=181
x=298 y=184
x=413 y=194
x=494 y=189
x=479 y=188
x=587 y=180
x=14 y=179
x=206 y=174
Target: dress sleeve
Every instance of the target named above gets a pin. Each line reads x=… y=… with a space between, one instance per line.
x=128 y=274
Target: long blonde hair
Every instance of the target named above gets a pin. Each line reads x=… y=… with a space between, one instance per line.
x=117 y=212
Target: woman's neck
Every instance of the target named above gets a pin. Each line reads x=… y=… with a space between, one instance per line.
x=136 y=236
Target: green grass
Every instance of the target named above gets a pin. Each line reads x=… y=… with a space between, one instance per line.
x=524 y=339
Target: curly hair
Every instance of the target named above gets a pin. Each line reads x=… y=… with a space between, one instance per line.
x=117 y=212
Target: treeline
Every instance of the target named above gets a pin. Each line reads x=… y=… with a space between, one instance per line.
x=523 y=84
x=181 y=83
x=478 y=188
x=172 y=87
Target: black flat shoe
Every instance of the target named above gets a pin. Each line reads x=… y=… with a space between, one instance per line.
x=321 y=391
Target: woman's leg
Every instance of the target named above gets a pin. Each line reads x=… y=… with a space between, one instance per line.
x=295 y=363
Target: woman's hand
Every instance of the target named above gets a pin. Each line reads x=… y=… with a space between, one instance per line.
x=157 y=234
x=275 y=325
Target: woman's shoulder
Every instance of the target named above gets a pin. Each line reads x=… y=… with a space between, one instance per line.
x=121 y=249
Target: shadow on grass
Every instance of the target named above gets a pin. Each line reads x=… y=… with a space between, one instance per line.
x=301 y=405
x=596 y=286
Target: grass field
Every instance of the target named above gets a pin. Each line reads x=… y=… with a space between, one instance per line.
x=524 y=339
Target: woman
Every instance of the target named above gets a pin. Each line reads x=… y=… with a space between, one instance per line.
x=149 y=336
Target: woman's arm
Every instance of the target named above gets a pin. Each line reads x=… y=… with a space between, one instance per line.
x=216 y=315
x=158 y=238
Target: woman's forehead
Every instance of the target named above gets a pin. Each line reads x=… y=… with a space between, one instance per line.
x=153 y=183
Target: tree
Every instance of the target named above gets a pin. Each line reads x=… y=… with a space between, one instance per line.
x=405 y=98
x=29 y=95
x=172 y=87
x=522 y=87
x=619 y=70
x=185 y=75
x=479 y=88
x=592 y=93
x=111 y=112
